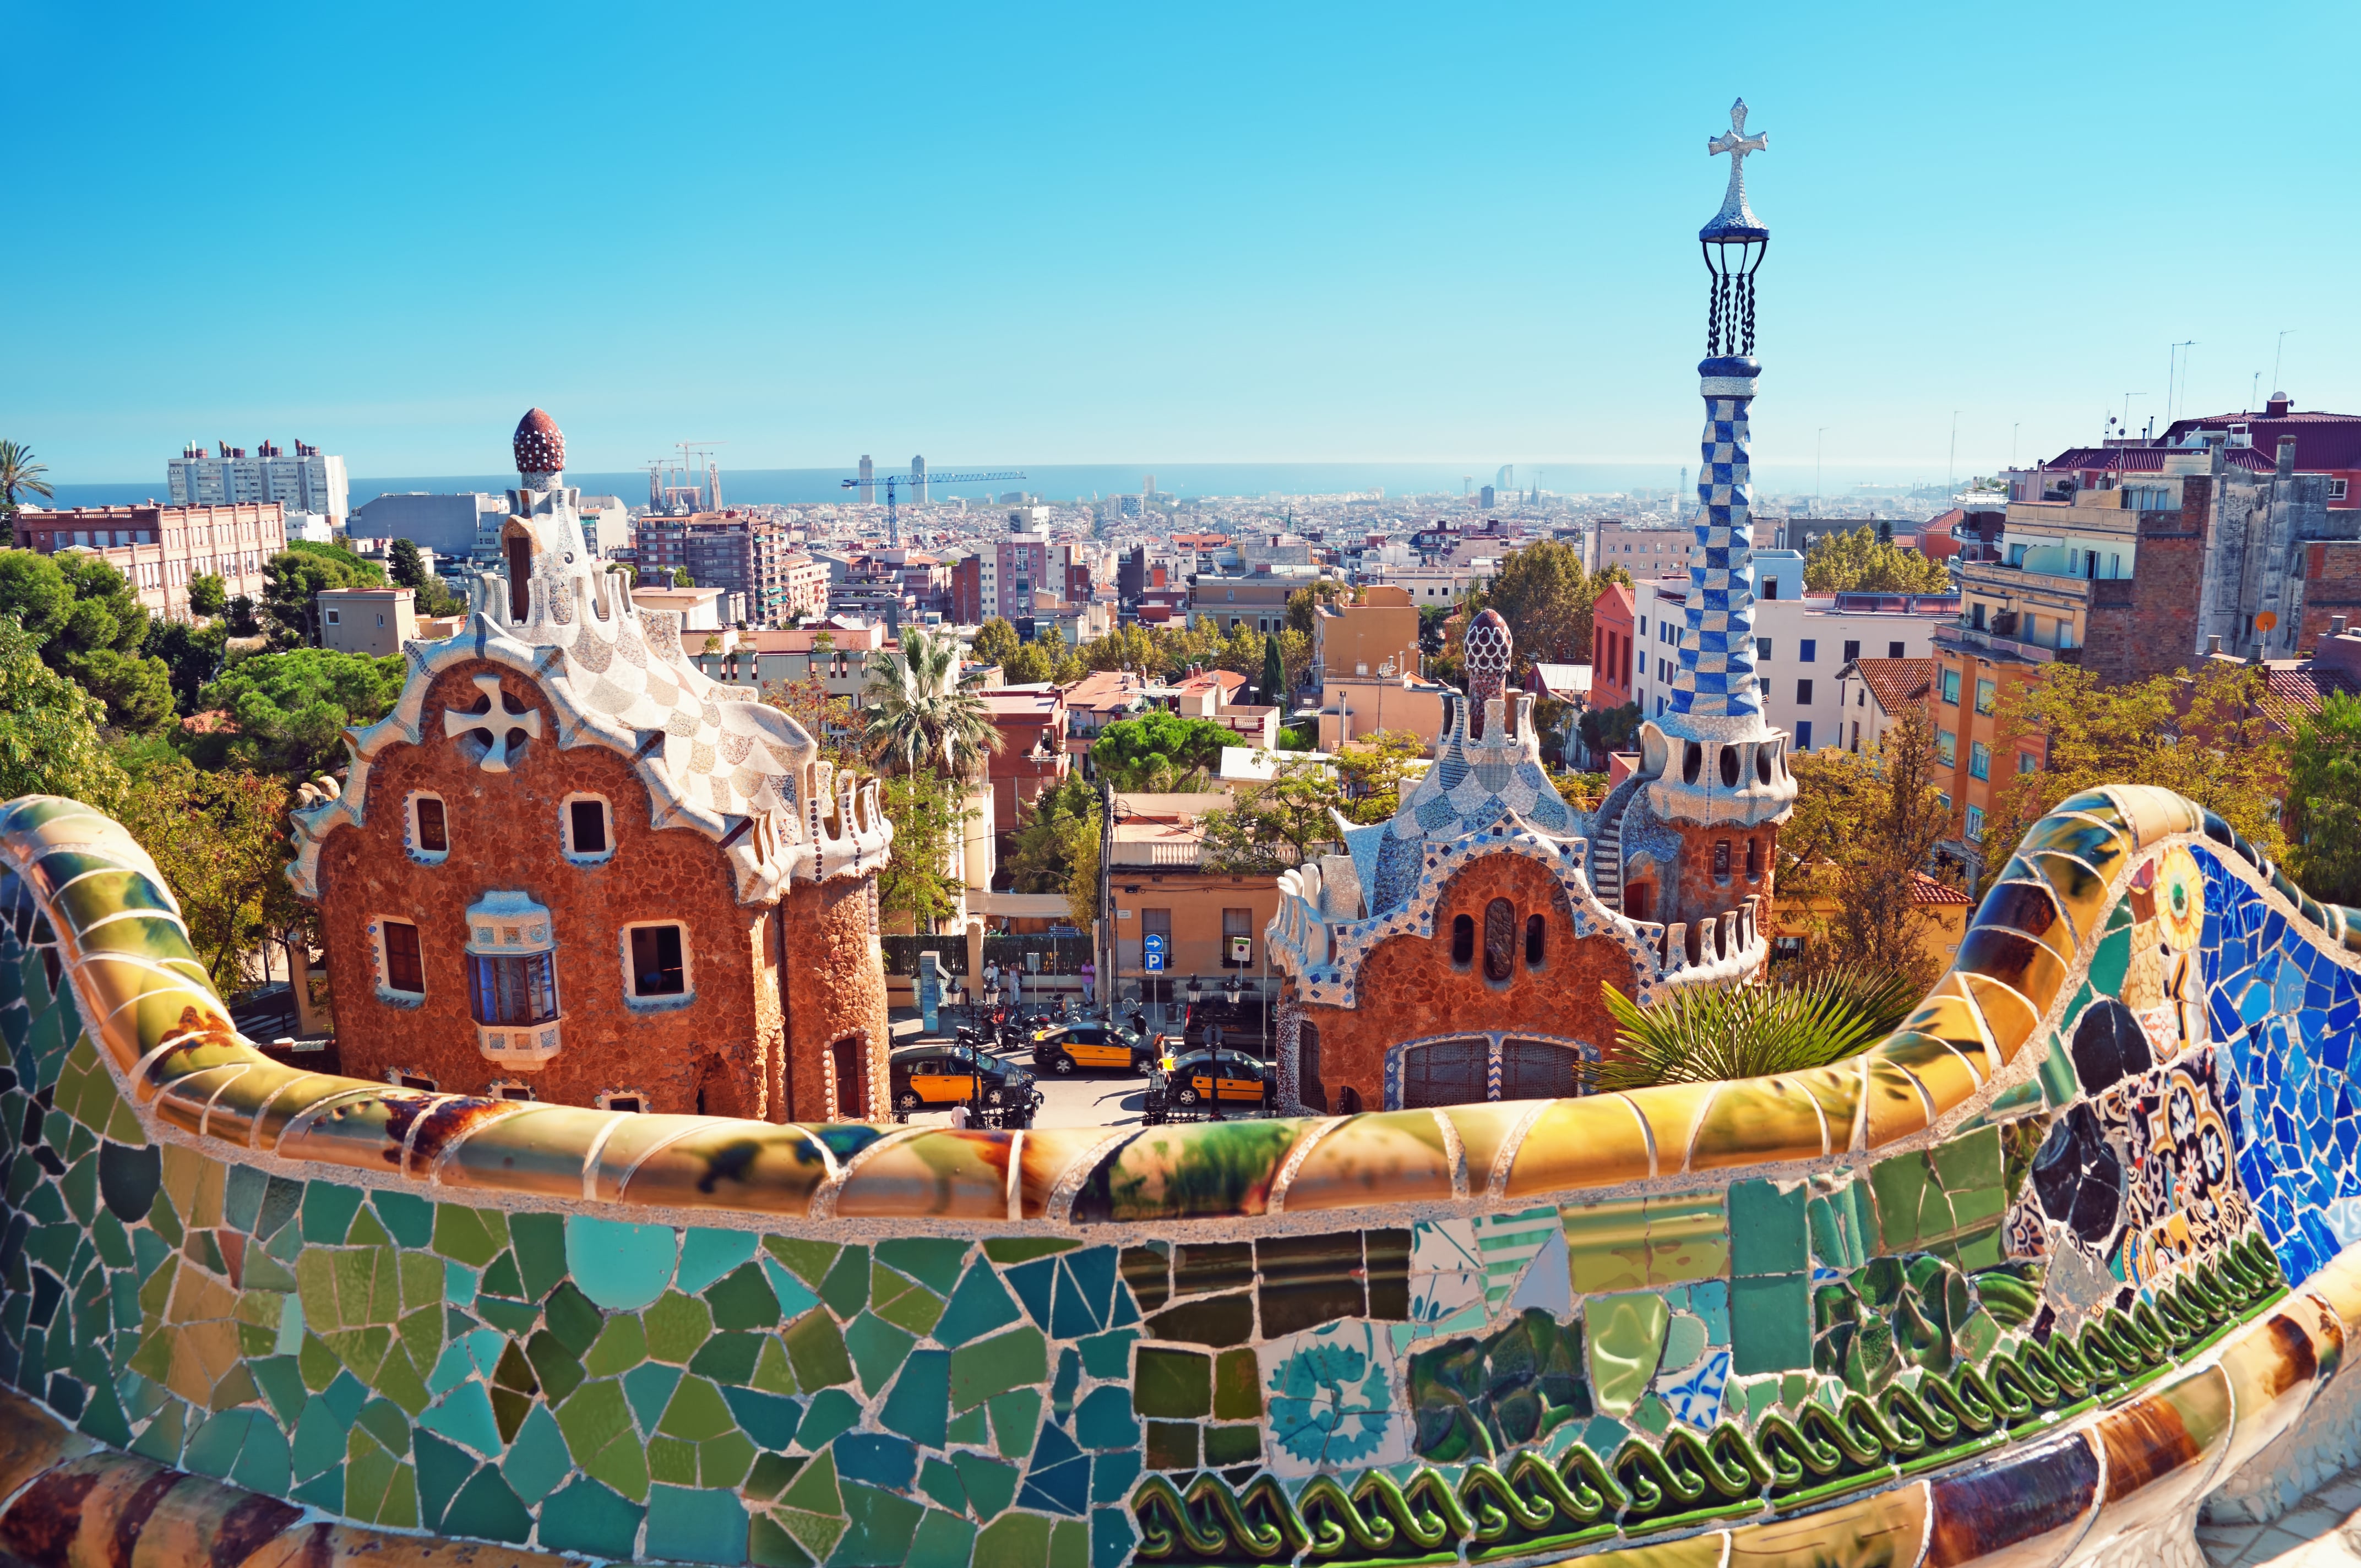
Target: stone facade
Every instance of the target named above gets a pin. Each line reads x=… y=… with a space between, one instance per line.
x=570 y=867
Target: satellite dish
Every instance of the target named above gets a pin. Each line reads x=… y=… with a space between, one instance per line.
x=2266 y=620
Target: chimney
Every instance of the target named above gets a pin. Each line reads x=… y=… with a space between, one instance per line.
x=2213 y=646
x=2279 y=405
x=2286 y=458
x=2336 y=626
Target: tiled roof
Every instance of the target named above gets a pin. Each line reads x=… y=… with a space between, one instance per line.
x=1925 y=889
x=1897 y=683
x=2150 y=459
x=2322 y=440
x=2291 y=690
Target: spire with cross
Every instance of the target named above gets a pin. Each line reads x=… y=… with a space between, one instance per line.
x=1736 y=220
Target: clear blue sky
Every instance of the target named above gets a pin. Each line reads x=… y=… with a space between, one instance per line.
x=1118 y=233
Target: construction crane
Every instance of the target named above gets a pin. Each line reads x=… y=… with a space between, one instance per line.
x=893 y=518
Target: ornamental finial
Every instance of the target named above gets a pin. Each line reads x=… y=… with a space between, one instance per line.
x=1736 y=220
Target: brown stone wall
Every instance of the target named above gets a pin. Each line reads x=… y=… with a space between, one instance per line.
x=836 y=989
x=2332 y=587
x=2152 y=627
x=717 y=1053
x=1409 y=988
x=1700 y=895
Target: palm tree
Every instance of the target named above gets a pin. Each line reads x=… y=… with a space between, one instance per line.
x=923 y=711
x=20 y=475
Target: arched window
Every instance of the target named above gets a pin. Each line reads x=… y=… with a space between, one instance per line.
x=1308 y=1086
x=1500 y=938
x=1536 y=941
x=1463 y=940
x=1754 y=859
x=1448 y=1072
x=850 y=1103
x=1539 y=1069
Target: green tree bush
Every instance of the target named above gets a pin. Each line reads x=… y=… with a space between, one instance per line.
x=292 y=708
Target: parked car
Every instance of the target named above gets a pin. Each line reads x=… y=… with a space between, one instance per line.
x=934 y=1075
x=1192 y=1079
x=1091 y=1048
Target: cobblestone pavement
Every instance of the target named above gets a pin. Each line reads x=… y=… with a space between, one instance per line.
x=2323 y=1531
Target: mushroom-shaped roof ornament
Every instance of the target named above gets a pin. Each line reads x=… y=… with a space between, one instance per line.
x=539 y=444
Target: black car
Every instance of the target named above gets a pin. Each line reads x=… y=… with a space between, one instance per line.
x=1069 y=1048
x=937 y=1074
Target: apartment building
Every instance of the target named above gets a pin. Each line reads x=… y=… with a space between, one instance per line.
x=376 y=621
x=1642 y=549
x=308 y=480
x=1208 y=925
x=1257 y=600
x=160 y=548
x=736 y=551
x=1614 y=626
x=1801 y=642
x=1872 y=693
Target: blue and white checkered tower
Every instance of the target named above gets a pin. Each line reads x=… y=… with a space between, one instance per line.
x=1715 y=759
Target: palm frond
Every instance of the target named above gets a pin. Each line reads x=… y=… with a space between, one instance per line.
x=1714 y=1035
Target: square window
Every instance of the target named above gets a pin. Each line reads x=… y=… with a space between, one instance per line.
x=1987 y=696
x=404 y=972
x=2025 y=763
x=659 y=966
x=1808 y=651
x=586 y=827
x=1951 y=687
x=1893 y=650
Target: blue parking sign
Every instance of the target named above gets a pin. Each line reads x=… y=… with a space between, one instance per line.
x=1152 y=951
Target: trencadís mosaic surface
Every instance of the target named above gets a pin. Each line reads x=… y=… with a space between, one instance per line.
x=2015 y=1282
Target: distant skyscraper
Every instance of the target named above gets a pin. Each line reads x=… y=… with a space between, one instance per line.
x=1484 y=497
x=309 y=481
x=1505 y=480
x=1680 y=500
x=917 y=478
x=1148 y=486
x=868 y=491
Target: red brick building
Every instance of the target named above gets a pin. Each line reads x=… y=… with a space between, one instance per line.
x=160 y=548
x=1612 y=617
x=570 y=867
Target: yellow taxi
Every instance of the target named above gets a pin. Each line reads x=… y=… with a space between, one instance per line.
x=1195 y=1078
x=934 y=1075
x=1091 y=1048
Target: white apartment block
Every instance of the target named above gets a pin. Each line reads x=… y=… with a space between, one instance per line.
x=1800 y=643
x=307 y=481
x=1432 y=585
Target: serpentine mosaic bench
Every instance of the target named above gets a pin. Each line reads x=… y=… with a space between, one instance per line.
x=2011 y=1287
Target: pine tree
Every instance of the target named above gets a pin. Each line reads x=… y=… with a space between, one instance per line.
x=409 y=569
x=1274 y=674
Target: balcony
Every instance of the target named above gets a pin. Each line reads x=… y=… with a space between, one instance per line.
x=1976 y=640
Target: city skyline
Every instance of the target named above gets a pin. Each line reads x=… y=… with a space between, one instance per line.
x=1069 y=238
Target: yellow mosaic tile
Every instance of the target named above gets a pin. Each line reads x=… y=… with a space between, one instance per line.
x=2008 y=1017
x=945 y=1174
x=1948 y=1015
x=1043 y=1156
x=2275 y=1365
x=1631 y=1244
x=1596 y=1142
x=1396 y=1157
x=2160 y=1449
x=753 y=1166
x=1484 y=1131
x=1671 y=1112
x=2338 y=1285
x=2153 y=813
x=494 y=1146
x=364 y=1132
x=1893 y=1104
x=2081 y=892
x=1697 y=1552
x=1886 y=1531
x=1837 y=1091
x=1759 y=1120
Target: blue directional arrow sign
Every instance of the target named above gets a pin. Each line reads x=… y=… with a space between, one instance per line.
x=1152 y=951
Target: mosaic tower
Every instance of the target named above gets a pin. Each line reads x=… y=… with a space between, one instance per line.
x=1716 y=770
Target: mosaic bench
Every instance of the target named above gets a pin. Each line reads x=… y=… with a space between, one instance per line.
x=2013 y=1287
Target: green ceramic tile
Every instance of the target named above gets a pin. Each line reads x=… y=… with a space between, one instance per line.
x=1233 y=1446
x=743 y=1300
x=2110 y=963
x=1767 y=1228
x=1016 y=1540
x=676 y=1325
x=880 y=1525
x=990 y=1485
x=979 y=1304
x=730 y=1357
x=903 y=1301
x=328 y=1211
x=502 y=1277
x=846 y=1289
x=1176 y=1384
x=410 y=1218
x=648 y=1390
x=588 y=1518
x=808 y=1261
x=622 y=1345
x=971 y=1426
x=537 y=1461
x=877 y=1349
x=1684 y=1342
x=1016 y=1419
x=597 y=1423
x=920 y=1405
x=832 y=1411
x=773 y=1374
x=943 y=1540
x=935 y=1262
x=539 y=1242
x=989 y=1366
x=1108 y=1355
x=708 y=1255
x=1770 y=1323
x=488 y=1509
x=1237 y=1386
x=1900 y=1185
x=697 y=1412
x=815 y=1349
x=940 y=1482
x=1624 y=1336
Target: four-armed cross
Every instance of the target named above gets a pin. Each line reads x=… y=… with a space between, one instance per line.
x=496 y=721
x=1738 y=144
